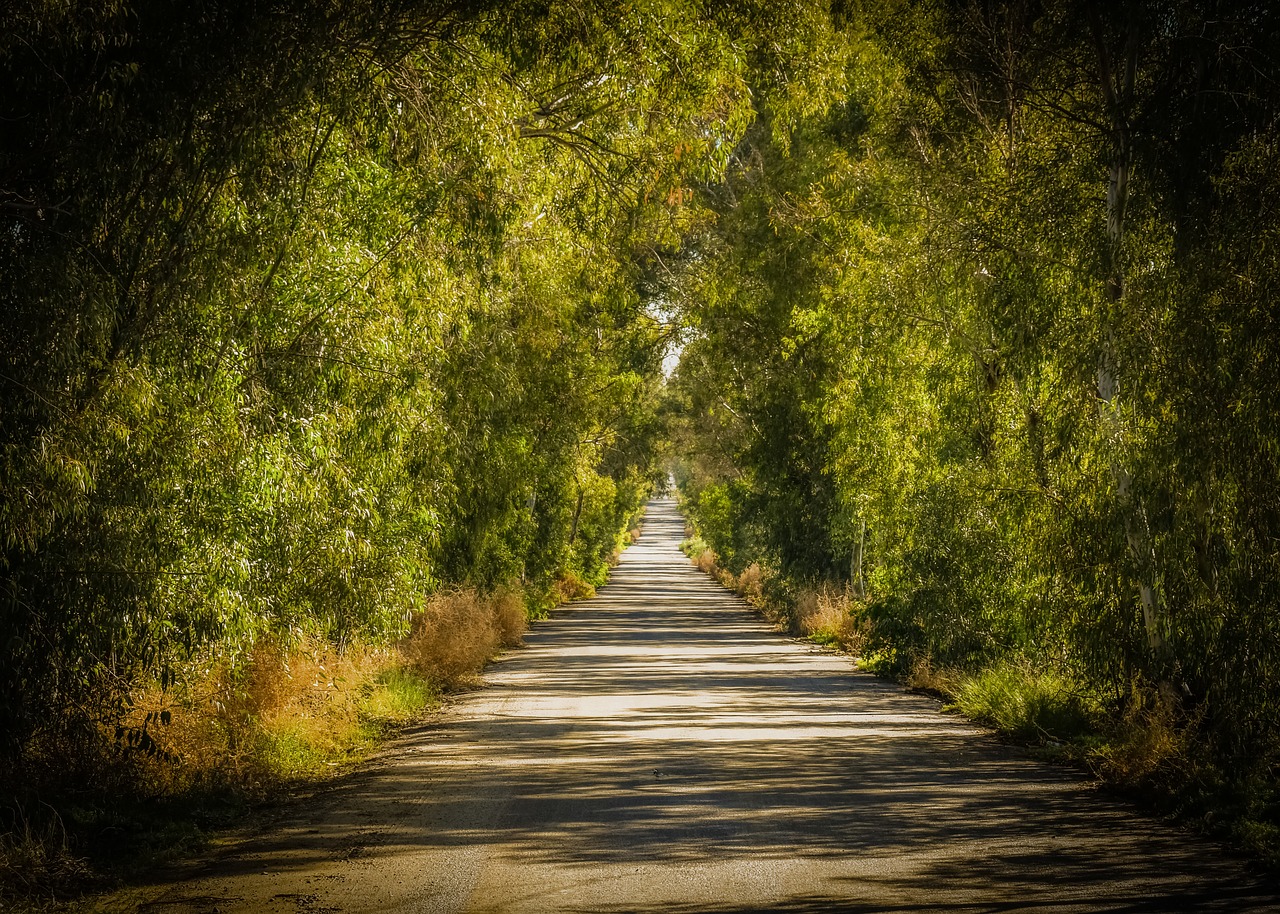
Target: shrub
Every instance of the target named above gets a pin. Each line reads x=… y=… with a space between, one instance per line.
x=1148 y=742
x=571 y=586
x=509 y=616
x=1026 y=703
x=829 y=616
x=750 y=584
x=451 y=639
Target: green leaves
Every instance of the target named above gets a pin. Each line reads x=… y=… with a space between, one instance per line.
x=964 y=286
x=310 y=313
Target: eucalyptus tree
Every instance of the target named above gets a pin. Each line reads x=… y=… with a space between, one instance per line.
x=998 y=267
x=309 y=311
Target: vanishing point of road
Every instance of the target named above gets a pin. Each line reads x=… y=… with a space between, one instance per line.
x=659 y=748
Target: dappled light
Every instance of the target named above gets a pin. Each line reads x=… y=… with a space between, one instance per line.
x=661 y=748
x=344 y=347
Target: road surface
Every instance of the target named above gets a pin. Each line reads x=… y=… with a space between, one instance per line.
x=659 y=748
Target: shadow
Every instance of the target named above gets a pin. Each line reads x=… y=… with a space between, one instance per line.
x=660 y=748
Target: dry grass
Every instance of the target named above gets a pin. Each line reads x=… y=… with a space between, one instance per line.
x=282 y=714
x=286 y=713
x=569 y=587
x=459 y=631
x=828 y=616
x=227 y=734
x=925 y=677
x=509 y=617
x=750 y=584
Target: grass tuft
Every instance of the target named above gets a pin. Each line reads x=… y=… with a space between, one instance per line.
x=829 y=616
x=1027 y=704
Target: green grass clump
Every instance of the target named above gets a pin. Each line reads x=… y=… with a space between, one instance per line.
x=398 y=696
x=1027 y=704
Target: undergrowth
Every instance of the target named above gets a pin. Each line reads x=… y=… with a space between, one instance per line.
x=1027 y=704
x=112 y=791
x=1143 y=744
x=823 y=614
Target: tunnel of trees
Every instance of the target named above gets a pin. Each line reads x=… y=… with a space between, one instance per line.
x=311 y=309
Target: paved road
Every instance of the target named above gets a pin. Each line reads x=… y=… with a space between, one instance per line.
x=659 y=748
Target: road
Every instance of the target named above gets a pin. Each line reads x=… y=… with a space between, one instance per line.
x=660 y=748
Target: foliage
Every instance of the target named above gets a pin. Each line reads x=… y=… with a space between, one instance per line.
x=316 y=318
x=982 y=332
x=309 y=312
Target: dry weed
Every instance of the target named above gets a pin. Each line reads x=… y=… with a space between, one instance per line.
x=827 y=615
x=570 y=586
x=750 y=584
x=34 y=854
x=450 y=640
x=706 y=561
x=509 y=617
x=276 y=716
x=925 y=677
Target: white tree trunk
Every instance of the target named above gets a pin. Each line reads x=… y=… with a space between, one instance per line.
x=1117 y=90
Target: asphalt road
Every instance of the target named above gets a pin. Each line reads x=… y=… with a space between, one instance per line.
x=659 y=748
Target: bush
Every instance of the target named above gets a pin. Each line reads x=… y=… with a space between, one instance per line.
x=1148 y=743
x=509 y=616
x=750 y=584
x=1026 y=703
x=571 y=586
x=829 y=616
x=450 y=640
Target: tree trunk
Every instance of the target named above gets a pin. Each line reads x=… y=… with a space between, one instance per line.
x=1117 y=90
x=855 y=561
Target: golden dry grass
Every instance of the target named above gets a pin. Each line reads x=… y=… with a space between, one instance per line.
x=509 y=617
x=458 y=631
x=925 y=677
x=283 y=714
x=750 y=584
x=569 y=587
x=300 y=710
x=828 y=615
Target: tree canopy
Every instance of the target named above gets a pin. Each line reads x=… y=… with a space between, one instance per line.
x=309 y=310
x=984 y=332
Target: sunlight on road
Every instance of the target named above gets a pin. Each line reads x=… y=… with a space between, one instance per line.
x=659 y=748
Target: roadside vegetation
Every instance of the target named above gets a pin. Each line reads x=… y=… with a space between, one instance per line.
x=159 y=778
x=983 y=334
x=332 y=335
x=1147 y=751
